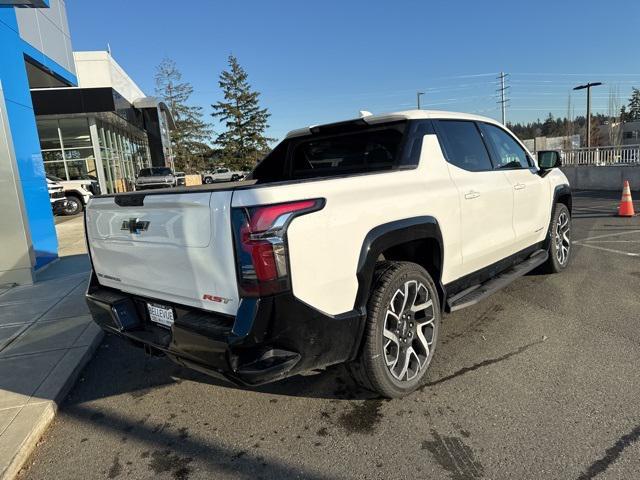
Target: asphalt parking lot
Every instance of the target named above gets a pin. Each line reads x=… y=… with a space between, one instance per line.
x=542 y=380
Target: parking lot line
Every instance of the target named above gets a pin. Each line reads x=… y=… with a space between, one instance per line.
x=589 y=242
x=606 y=235
x=628 y=254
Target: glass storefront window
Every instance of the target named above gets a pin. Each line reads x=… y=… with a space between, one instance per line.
x=92 y=171
x=56 y=169
x=48 y=131
x=78 y=170
x=75 y=132
x=52 y=155
x=123 y=149
x=78 y=153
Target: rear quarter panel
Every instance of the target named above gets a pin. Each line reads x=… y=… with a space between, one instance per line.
x=324 y=246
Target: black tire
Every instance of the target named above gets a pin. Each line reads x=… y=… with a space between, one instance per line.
x=74 y=205
x=208 y=180
x=558 y=260
x=371 y=369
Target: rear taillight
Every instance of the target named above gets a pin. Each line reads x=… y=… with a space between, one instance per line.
x=261 y=245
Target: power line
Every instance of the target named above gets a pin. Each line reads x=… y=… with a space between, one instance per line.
x=502 y=90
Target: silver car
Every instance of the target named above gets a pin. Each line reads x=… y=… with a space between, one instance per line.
x=155 y=177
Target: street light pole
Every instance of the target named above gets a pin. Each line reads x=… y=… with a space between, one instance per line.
x=588 y=87
x=418 y=95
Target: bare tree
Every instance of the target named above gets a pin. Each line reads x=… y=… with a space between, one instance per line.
x=614 y=130
x=191 y=136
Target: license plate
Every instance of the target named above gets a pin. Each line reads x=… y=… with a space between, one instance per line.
x=160 y=314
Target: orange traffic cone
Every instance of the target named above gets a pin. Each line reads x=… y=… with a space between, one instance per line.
x=626 y=203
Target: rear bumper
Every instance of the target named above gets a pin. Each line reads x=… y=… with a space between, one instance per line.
x=269 y=339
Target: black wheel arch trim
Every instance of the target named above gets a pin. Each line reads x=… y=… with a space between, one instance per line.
x=559 y=191
x=390 y=235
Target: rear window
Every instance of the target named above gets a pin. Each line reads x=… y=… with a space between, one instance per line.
x=355 y=152
x=341 y=149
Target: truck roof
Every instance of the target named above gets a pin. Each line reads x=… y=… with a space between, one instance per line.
x=402 y=115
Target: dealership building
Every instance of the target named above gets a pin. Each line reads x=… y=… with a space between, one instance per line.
x=64 y=114
x=106 y=128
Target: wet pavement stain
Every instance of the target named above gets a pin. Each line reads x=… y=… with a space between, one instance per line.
x=484 y=363
x=116 y=467
x=322 y=432
x=477 y=325
x=163 y=461
x=611 y=454
x=362 y=417
x=453 y=455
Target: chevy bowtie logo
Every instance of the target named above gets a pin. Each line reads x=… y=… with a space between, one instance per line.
x=134 y=225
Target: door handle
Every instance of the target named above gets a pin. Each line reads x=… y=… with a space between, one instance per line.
x=519 y=186
x=471 y=194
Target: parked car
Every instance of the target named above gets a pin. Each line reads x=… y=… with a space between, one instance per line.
x=222 y=174
x=78 y=192
x=155 y=177
x=347 y=244
x=56 y=197
x=180 y=179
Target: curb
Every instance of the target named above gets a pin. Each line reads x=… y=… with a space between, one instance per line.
x=35 y=417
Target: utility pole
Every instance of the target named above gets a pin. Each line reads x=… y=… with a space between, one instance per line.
x=588 y=87
x=503 y=96
x=418 y=95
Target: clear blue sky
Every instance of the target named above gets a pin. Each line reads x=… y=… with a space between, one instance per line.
x=323 y=61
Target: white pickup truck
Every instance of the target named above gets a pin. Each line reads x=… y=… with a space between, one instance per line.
x=347 y=244
x=78 y=192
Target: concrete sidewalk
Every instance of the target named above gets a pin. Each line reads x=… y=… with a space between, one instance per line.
x=46 y=338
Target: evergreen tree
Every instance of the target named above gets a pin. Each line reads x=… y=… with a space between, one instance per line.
x=549 y=126
x=243 y=142
x=190 y=138
x=624 y=115
x=633 y=113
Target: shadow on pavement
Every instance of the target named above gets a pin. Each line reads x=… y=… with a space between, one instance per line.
x=172 y=452
x=124 y=368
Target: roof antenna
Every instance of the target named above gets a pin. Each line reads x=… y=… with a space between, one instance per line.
x=109 y=49
x=364 y=113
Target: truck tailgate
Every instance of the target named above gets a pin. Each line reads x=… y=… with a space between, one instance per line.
x=173 y=247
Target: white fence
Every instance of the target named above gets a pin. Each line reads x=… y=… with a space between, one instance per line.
x=602 y=156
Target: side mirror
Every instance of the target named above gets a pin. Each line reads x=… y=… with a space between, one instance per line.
x=548 y=159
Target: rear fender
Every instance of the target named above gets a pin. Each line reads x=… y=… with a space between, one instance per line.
x=388 y=235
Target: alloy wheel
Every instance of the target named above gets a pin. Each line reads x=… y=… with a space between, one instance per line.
x=409 y=331
x=563 y=241
x=72 y=206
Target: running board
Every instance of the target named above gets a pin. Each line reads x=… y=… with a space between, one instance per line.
x=473 y=295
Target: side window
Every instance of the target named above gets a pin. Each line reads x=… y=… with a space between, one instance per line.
x=508 y=152
x=464 y=146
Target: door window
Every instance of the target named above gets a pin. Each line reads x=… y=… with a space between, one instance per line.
x=507 y=152
x=464 y=146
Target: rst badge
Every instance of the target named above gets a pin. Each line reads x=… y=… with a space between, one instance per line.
x=134 y=225
x=215 y=298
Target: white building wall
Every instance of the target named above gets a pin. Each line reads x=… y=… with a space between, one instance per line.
x=47 y=30
x=99 y=69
